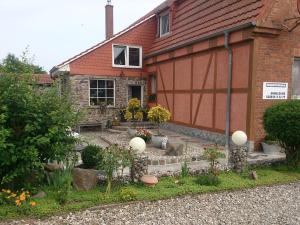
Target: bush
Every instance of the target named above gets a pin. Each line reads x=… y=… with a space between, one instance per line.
x=128 y=194
x=282 y=121
x=34 y=128
x=208 y=180
x=159 y=115
x=91 y=156
x=212 y=154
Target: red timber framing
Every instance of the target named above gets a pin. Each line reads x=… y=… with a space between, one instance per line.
x=193 y=86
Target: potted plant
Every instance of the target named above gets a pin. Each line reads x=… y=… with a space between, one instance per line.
x=158 y=115
x=144 y=134
x=152 y=101
x=133 y=114
x=271 y=146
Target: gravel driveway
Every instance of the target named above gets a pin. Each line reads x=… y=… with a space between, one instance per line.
x=263 y=205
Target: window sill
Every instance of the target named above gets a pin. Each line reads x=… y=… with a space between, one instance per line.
x=127 y=67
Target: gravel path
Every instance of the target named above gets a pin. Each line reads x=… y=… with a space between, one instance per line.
x=259 y=206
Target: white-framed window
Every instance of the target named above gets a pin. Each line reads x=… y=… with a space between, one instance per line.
x=164 y=24
x=102 y=92
x=127 y=56
x=296 y=79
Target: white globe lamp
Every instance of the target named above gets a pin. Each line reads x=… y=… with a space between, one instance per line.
x=137 y=144
x=239 y=138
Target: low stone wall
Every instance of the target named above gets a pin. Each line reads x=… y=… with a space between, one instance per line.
x=193 y=132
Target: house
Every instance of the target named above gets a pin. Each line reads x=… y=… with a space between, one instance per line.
x=216 y=65
x=44 y=80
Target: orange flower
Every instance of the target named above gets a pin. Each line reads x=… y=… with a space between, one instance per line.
x=22 y=197
x=18 y=202
x=32 y=204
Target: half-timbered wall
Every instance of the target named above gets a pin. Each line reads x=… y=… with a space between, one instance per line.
x=194 y=88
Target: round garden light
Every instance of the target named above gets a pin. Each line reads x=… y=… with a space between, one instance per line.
x=138 y=144
x=239 y=138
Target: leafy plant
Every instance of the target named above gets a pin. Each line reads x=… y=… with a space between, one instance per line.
x=91 y=156
x=159 y=115
x=144 y=134
x=208 y=180
x=113 y=158
x=185 y=171
x=127 y=194
x=34 y=128
x=282 y=121
x=212 y=154
x=152 y=98
x=134 y=111
x=61 y=182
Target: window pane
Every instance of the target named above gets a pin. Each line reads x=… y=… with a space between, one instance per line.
x=110 y=101
x=134 y=56
x=93 y=101
x=93 y=84
x=120 y=55
x=93 y=93
x=101 y=93
x=110 y=84
x=296 y=79
x=164 y=24
x=101 y=83
x=110 y=93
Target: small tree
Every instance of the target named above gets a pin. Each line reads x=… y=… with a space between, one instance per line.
x=159 y=115
x=113 y=158
x=34 y=128
x=212 y=154
x=282 y=121
x=134 y=111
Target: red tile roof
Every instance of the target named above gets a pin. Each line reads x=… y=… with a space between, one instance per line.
x=43 y=79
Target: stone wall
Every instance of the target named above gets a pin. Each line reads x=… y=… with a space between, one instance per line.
x=79 y=88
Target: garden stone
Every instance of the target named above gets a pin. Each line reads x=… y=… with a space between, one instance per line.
x=40 y=194
x=84 y=179
x=238 y=158
x=53 y=166
x=175 y=150
x=149 y=180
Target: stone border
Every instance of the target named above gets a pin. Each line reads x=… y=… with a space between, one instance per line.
x=163 y=162
x=194 y=132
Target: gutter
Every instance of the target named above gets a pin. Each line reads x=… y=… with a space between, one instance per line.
x=217 y=34
x=229 y=87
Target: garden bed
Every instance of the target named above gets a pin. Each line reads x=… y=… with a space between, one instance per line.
x=166 y=188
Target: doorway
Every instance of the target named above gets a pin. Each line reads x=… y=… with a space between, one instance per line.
x=136 y=91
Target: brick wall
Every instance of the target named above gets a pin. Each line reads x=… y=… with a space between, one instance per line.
x=273 y=60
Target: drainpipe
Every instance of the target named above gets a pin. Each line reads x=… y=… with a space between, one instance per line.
x=229 y=86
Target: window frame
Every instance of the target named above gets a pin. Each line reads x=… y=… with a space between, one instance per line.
x=114 y=90
x=160 y=23
x=297 y=97
x=127 y=57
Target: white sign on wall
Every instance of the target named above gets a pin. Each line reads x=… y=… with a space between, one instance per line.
x=275 y=90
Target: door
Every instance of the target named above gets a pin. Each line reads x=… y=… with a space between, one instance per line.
x=135 y=91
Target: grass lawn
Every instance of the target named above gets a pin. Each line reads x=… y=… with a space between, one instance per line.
x=166 y=188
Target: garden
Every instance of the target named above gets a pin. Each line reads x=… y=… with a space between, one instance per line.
x=42 y=174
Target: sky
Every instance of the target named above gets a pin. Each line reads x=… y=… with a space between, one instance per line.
x=56 y=30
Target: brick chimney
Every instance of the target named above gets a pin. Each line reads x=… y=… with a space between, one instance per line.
x=109 y=19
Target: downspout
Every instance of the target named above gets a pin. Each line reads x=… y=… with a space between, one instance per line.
x=229 y=87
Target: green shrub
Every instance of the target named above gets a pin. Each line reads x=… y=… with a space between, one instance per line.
x=208 y=180
x=128 y=194
x=91 y=156
x=113 y=159
x=282 y=121
x=212 y=154
x=34 y=128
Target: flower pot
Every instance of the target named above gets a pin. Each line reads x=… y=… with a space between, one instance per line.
x=157 y=140
x=271 y=149
x=131 y=132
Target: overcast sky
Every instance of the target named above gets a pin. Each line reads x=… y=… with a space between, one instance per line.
x=56 y=30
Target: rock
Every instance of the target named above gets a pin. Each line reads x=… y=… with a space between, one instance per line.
x=149 y=180
x=253 y=175
x=53 y=166
x=84 y=179
x=40 y=194
x=175 y=150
